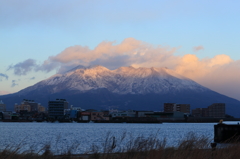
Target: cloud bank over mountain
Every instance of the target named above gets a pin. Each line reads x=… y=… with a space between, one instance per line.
x=219 y=73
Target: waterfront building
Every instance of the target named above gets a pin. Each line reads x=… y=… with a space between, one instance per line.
x=1 y=115
x=84 y=116
x=167 y=116
x=29 y=106
x=197 y=112
x=128 y=113
x=169 y=107
x=140 y=114
x=76 y=108
x=99 y=115
x=71 y=114
x=22 y=107
x=57 y=108
x=173 y=107
x=2 y=106
x=7 y=115
x=216 y=110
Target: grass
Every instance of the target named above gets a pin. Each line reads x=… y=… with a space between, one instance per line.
x=191 y=147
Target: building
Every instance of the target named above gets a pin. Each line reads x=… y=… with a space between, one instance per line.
x=7 y=115
x=57 y=108
x=173 y=107
x=29 y=106
x=1 y=116
x=216 y=110
x=84 y=116
x=167 y=116
x=99 y=115
x=71 y=114
x=22 y=107
x=2 y=107
x=128 y=113
x=140 y=114
x=169 y=107
x=197 y=112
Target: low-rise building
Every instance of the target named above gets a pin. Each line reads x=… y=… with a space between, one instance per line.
x=140 y=114
x=22 y=107
x=71 y=114
x=29 y=106
x=99 y=115
x=128 y=113
x=1 y=115
x=166 y=116
x=84 y=116
x=7 y=115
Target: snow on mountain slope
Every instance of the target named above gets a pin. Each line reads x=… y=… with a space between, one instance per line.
x=123 y=80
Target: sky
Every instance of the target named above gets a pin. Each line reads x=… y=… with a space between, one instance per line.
x=197 y=39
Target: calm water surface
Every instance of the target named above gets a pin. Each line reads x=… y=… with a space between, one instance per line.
x=61 y=136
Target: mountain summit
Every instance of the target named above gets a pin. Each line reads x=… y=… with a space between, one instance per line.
x=97 y=87
x=124 y=80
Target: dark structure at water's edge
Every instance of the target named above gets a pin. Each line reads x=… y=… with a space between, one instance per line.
x=224 y=133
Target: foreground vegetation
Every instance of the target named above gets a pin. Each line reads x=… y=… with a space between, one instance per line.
x=192 y=147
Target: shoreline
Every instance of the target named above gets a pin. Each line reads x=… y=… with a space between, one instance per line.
x=126 y=121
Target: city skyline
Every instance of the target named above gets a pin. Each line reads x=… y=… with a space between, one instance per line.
x=196 y=39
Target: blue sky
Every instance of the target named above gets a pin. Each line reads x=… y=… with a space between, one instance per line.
x=34 y=32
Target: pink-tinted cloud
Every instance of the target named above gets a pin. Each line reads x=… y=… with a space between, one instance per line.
x=129 y=52
x=224 y=79
x=198 y=48
x=193 y=67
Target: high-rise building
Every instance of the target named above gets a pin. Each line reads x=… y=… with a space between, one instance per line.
x=56 y=108
x=2 y=107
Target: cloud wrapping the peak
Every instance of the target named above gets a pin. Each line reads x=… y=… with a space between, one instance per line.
x=129 y=52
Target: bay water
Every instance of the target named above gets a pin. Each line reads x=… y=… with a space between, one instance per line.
x=82 y=136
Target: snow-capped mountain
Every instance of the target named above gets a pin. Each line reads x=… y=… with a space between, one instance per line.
x=124 y=80
x=124 y=88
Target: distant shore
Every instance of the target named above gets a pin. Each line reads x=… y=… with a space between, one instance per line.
x=189 y=120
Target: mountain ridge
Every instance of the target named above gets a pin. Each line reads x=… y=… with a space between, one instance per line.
x=126 y=87
x=123 y=80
